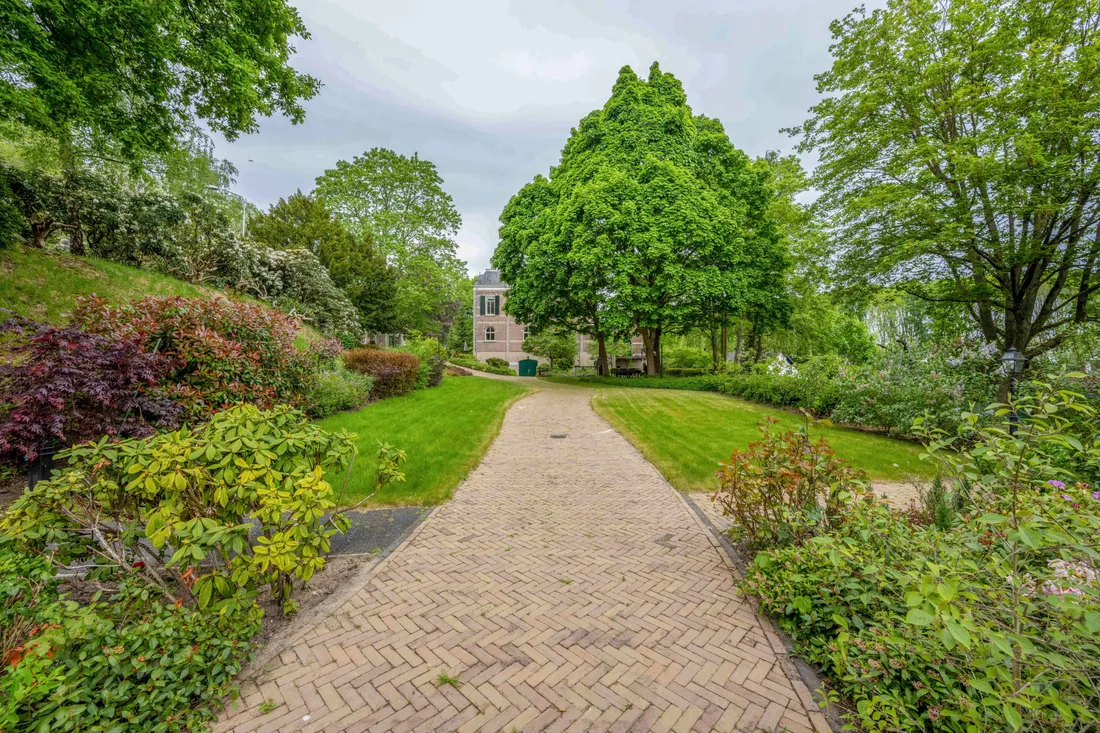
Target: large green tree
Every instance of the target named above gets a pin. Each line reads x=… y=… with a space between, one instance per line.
x=557 y=281
x=400 y=202
x=137 y=75
x=303 y=222
x=959 y=148
x=655 y=213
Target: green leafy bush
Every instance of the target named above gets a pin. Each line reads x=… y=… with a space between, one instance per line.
x=219 y=352
x=394 y=372
x=27 y=586
x=128 y=663
x=338 y=389
x=784 y=488
x=989 y=624
x=195 y=495
x=685 y=371
x=433 y=357
x=497 y=362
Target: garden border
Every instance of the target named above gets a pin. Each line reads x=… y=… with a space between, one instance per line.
x=797 y=669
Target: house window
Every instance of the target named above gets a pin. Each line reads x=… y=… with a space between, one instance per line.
x=490 y=333
x=491 y=307
x=526 y=332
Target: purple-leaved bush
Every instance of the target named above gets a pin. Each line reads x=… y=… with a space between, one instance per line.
x=68 y=386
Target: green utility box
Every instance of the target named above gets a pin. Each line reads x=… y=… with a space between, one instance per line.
x=527 y=367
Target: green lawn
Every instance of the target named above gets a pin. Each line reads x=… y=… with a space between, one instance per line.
x=685 y=434
x=445 y=431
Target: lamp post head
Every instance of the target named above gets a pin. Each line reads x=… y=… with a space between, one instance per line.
x=1013 y=363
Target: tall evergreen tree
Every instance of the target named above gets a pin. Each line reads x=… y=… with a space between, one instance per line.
x=303 y=222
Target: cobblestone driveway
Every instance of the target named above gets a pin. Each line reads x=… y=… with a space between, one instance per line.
x=566 y=587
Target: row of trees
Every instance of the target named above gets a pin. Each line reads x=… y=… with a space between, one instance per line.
x=653 y=222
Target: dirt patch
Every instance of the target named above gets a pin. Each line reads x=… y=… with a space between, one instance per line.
x=338 y=571
x=11 y=488
x=85 y=268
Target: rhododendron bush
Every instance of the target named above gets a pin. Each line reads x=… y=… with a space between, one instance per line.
x=218 y=352
x=987 y=621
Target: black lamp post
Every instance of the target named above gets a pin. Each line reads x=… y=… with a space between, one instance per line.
x=1013 y=363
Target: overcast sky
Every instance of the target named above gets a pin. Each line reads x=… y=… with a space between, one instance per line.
x=488 y=89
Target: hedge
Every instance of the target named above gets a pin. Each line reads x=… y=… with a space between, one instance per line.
x=395 y=372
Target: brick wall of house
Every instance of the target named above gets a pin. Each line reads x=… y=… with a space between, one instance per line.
x=508 y=334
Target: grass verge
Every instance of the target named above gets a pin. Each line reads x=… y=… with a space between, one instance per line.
x=685 y=434
x=445 y=431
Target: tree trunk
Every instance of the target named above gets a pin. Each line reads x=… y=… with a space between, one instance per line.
x=40 y=232
x=601 y=360
x=725 y=342
x=759 y=345
x=714 y=348
x=652 y=340
x=651 y=337
x=737 y=349
x=76 y=240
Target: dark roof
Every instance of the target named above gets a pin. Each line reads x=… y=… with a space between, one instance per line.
x=489 y=277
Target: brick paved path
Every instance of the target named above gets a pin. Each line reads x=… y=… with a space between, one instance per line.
x=566 y=586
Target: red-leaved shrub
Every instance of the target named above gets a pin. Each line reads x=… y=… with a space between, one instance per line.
x=67 y=386
x=219 y=352
x=394 y=372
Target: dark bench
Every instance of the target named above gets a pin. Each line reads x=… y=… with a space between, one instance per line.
x=626 y=372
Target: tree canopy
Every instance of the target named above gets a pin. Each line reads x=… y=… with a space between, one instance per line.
x=137 y=75
x=303 y=222
x=653 y=221
x=959 y=148
x=400 y=202
x=554 y=345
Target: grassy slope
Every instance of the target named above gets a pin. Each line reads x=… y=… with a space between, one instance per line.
x=44 y=286
x=445 y=431
x=686 y=434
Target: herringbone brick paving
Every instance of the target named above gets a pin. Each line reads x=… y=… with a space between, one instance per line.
x=566 y=586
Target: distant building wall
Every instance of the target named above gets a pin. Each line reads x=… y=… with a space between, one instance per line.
x=505 y=340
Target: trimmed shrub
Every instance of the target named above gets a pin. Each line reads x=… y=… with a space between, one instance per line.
x=339 y=389
x=497 y=362
x=66 y=386
x=394 y=372
x=219 y=352
x=684 y=372
x=481 y=366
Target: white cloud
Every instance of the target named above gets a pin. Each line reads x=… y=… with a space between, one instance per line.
x=477 y=239
x=488 y=89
